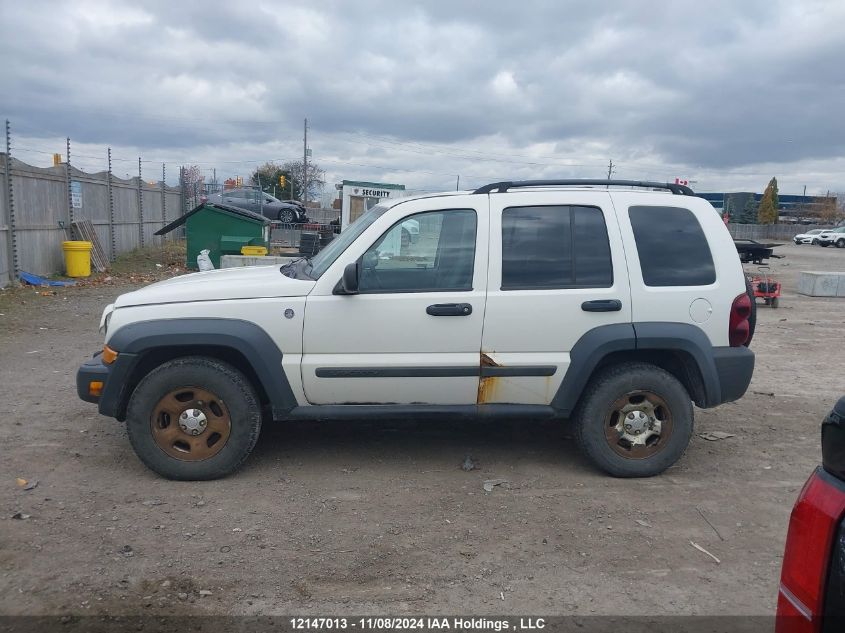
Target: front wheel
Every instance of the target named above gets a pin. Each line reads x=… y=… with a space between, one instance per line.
x=287 y=216
x=193 y=418
x=815 y=242
x=634 y=420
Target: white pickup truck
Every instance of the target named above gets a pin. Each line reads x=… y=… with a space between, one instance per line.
x=611 y=303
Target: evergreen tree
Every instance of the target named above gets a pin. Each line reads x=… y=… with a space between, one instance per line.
x=768 y=211
x=748 y=215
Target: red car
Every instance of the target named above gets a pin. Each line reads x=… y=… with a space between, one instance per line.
x=811 y=596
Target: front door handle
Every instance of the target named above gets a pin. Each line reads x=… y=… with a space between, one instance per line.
x=449 y=309
x=602 y=305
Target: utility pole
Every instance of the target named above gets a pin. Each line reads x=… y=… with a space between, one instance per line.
x=305 y=163
x=458 y=183
x=610 y=169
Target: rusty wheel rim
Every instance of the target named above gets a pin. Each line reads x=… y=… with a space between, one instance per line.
x=190 y=424
x=638 y=425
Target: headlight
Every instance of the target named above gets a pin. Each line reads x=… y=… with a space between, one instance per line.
x=104 y=320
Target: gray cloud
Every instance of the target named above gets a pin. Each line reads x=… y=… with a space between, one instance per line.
x=728 y=93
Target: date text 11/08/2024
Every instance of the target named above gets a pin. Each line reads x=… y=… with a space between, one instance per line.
x=417 y=624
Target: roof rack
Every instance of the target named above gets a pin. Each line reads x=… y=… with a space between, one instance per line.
x=502 y=187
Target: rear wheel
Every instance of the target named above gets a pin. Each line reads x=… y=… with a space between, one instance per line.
x=634 y=420
x=193 y=418
x=287 y=216
x=815 y=242
x=840 y=243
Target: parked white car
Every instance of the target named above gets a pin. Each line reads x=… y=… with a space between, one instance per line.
x=810 y=237
x=614 y=304
x=835 y=237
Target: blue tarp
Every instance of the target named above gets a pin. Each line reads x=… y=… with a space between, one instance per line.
x=35 y=280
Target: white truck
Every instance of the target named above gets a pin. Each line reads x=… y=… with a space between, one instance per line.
x=614 y=304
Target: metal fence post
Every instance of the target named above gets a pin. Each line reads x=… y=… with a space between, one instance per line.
x=140 y=206
x=14 y=265
x=69 y=190
x=113 y=251
x=163 y=201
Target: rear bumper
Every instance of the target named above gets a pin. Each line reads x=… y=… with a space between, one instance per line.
x=113 y=378
x=734 y=368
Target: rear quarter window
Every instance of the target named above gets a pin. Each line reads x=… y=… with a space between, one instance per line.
x=672 y=247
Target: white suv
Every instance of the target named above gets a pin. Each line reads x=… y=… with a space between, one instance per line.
x=616 y=304
x=835 y=237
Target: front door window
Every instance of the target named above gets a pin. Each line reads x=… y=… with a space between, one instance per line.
x=426 y=252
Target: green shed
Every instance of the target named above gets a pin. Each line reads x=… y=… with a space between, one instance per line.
x=222 y=229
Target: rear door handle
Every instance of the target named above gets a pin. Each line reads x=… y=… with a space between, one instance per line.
x=602 y=305
x=449 y=309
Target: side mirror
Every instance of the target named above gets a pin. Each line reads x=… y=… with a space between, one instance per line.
x=348 y=284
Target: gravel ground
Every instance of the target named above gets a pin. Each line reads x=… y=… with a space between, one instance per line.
x=380 y=518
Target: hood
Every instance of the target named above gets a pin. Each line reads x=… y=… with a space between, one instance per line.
x=251 y=282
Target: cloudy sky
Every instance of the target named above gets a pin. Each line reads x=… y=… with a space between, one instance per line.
x=726 y=94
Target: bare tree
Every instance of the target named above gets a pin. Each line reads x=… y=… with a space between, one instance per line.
x=831 y=210
x=267 y=177
x=193 y=181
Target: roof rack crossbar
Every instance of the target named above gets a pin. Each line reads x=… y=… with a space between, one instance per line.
x=502 y=187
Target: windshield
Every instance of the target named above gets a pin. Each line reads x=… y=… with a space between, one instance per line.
x=326 y=257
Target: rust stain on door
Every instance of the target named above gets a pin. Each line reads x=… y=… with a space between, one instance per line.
x=487 y=384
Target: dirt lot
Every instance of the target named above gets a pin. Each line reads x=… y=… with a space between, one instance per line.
x=379 y=518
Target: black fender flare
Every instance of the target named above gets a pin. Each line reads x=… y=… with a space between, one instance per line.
x=684 y=337
x=595 y=345
x=136 y=339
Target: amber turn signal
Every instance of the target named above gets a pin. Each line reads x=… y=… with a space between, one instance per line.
x=95 y=388
x=109 y=355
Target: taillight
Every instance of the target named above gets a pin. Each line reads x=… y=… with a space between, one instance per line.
x=812 y=526
x=739 y=328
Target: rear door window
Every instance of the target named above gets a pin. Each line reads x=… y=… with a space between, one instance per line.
x=672 y=247
x=555 y=247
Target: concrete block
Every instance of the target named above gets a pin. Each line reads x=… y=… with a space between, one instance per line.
x=237 y=261
x=821 y=284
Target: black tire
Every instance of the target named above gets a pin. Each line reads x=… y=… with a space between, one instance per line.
x=775 y=302
x=840 y=243
x=195 y=372
x=595 y=408
x=815 y=242
x=287 y=216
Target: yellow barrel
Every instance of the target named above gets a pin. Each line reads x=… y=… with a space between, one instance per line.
x=77 y=258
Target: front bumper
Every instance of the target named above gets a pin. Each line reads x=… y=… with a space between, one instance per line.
x=92 y=370
x=734 y=368
x=114 y=378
